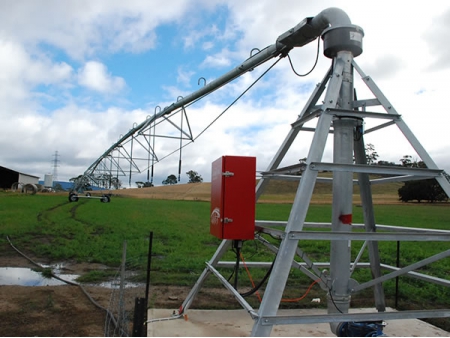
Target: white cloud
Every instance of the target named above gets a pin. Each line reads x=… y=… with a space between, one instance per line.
x=437 y=38
x=218 y=60
x=95 y=76
x=19 y=67
x=83 y=28
x=184 y=76
x=384 y=67
x=400 y=46
x=207 y=45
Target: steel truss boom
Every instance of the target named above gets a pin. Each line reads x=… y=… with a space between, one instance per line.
x=305 y=32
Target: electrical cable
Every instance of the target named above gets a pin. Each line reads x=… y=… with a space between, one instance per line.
x=224 y=111
x=236 y=268
x=257 y=287
x=294 y=300
x=250 y=277
x=315 y=63
x=256 y=249
x=209 y=125
x=332 y=300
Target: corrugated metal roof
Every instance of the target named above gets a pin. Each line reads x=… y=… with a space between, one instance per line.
x=18 y=172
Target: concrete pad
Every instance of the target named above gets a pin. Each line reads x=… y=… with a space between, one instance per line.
x=238 y=323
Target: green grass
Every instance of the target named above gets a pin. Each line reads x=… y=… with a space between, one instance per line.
x=50 y=227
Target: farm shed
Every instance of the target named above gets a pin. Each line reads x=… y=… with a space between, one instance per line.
x=8 y=177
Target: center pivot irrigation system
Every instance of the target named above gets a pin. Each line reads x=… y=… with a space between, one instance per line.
x=336 y=110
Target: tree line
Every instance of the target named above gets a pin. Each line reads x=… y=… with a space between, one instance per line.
x=193 y=177
x=417 y=190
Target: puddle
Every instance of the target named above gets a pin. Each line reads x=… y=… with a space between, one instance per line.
x=28 y=277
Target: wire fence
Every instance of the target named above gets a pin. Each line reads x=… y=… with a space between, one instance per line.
x=124 y=293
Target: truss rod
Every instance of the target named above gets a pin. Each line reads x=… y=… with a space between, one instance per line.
x=402 y=271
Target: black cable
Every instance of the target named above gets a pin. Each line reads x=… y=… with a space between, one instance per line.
x=332 y=300
x=315 y=63
x=236 y=267
x=256 y=250
x=257 y=287
x=232 y=274
x=225 y=110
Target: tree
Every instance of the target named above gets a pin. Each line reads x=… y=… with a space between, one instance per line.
x=420 y=190
x=139 y=184
x=171 y=179
x=194 y=177
x=386 y=163
x=371 y=154
x=407 y=161
x=58 y=187
x=148 y=184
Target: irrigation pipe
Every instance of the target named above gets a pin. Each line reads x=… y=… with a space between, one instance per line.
x=108 y=313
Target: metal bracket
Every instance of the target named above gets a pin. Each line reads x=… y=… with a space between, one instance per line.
x=227 y=174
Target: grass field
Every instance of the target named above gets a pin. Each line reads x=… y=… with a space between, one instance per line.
x=51 y=227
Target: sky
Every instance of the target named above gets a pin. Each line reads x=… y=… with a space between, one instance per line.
x=75 y=75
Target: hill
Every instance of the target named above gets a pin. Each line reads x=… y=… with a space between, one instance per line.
x=276 y=192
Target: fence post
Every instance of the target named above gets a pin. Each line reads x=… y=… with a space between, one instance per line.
x=141 y=304
x=122 y=320
x=140 y=310
x=396 y=278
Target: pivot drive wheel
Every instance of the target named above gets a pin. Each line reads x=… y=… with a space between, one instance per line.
x=105 y=199
x=73 y=197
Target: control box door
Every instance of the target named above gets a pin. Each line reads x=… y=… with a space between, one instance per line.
x=233 y=197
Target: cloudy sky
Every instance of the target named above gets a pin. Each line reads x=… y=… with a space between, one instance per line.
x=75 y=75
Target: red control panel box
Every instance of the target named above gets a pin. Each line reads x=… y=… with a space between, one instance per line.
x=233 y=197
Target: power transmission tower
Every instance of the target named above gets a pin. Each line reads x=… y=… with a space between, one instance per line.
x=55 y=165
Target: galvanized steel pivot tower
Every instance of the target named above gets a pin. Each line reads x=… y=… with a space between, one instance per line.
x=341 y=115
x=342 y=43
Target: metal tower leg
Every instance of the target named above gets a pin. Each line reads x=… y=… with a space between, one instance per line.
x=286 y=253
x=369 y=221
x=296 y=126
x=221 y=250
x=423 y=154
